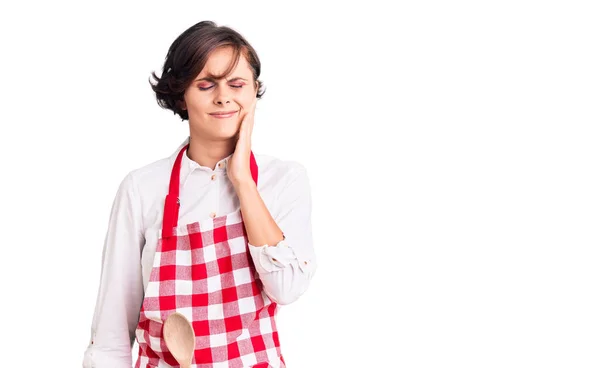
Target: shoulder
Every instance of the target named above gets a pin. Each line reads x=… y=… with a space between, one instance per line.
x=153 y=171
x=279 y=174
x=275 y=167
x=148 y=180
x=155 y=174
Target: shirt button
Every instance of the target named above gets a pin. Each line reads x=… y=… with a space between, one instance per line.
x=213 y=215
x=220 y=164
x=213 y=177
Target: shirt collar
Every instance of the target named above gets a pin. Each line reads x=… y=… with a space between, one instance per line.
x=188 y=165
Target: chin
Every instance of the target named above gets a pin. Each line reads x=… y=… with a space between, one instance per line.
x=225 y=133
x=220 y=129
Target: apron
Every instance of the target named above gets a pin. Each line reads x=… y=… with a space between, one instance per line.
x=204 y=271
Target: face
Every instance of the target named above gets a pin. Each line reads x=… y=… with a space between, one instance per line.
x=206 y=99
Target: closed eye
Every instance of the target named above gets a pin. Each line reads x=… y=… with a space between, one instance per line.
x=207 y=88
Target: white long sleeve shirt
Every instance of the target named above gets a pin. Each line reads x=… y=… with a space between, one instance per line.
x=136 y=222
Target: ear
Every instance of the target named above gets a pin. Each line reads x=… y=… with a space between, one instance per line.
x=181 y=104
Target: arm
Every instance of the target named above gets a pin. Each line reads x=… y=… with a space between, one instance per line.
x=121 y=290
x=285 y=264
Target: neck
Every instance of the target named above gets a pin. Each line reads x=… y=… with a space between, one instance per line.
x=209 y=152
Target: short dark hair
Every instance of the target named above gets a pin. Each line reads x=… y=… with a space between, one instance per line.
x=187 y=57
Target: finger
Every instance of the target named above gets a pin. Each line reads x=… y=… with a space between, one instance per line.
x=252 y=109
x=245 y=118
x=248 y=120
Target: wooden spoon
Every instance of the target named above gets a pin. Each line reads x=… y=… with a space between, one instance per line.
x=180 y=339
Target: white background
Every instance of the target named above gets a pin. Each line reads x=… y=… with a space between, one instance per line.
x=453 y=151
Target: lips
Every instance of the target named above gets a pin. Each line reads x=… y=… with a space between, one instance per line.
x=223 y=114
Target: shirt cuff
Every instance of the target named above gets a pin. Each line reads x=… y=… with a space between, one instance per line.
x=268 y=259
x=100 y=358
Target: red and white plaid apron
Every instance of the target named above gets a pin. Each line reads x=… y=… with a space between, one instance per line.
x=204 y=271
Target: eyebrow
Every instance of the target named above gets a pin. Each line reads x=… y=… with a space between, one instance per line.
x=212 y=79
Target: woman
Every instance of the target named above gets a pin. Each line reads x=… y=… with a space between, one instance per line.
x=202 y=232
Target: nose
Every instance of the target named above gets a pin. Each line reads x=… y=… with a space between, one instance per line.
x=222 y=100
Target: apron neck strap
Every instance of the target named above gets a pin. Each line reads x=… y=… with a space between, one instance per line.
x=171 y=212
